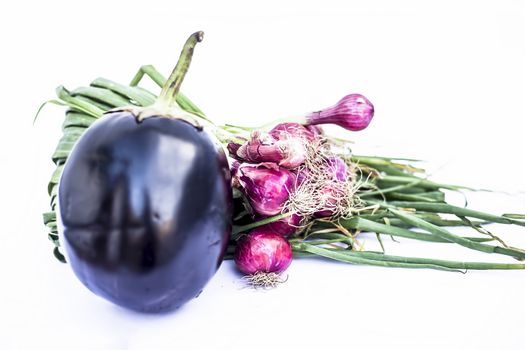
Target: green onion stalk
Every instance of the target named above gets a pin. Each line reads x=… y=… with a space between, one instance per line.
x=389 y=196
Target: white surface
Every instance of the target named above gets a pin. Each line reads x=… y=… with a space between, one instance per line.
x=447 y=81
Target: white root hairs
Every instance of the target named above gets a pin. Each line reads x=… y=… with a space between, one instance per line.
x=321 y=190
x=264 y=280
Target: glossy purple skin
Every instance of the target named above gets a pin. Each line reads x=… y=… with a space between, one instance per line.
x=284 y=227
x=353 y=112
x=262 y=251
x=145 y=210
x=266 y=186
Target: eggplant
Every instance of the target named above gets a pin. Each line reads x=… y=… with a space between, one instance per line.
x=145 y=205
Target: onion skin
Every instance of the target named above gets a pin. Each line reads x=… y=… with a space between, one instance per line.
x=284 y=145
x=353 y=112
x=283 y=131
x=338 y=167
x=262 y=251
x=266 y=185
x=145 y=210
x=339 y=172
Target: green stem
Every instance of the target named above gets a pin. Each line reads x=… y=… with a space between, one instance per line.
x=320 y=235
x=77 y=119
x=105 y=96
x=343 y=255
x=77 y=103
x=238 y=229
x=141 y=97
x=391 y=189
x=393 y=170
x=431 y=197
x=450 y=209
x=325 y=241
x=171 y=88
x=515 y=216
x=358 y=223
x=424 y=183
x=151 y=72
x=184 y=102
x=380 y=160
x=442 y=233
x=433 y=218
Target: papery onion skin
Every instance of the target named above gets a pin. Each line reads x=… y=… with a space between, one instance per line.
x=316 y=130
x=266 y=185
x=262 y=251
x=285 y=144
x=353 y=112
x=283 y=131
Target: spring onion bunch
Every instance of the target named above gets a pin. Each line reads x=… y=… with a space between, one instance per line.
x=298 y=189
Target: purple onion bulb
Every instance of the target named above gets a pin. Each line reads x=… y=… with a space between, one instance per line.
x=339 y=172
x=262 y=251
x=338 y=168
x=233 y=148
x=267 y=186
x=329 y=203
x=285 y=131
x=353 y=112
x=315 y=129
x=284 y=145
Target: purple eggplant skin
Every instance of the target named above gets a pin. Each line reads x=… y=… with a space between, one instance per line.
x=145 y=210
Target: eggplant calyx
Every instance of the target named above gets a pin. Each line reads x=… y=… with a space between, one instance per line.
x=142 y=113
x=166 y=106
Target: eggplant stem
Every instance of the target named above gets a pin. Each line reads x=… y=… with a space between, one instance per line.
x=171 y=87
x=183 y=102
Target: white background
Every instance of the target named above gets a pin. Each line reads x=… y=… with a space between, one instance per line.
x=448 y=82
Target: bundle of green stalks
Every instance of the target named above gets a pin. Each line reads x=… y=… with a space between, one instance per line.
x=393 y=194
